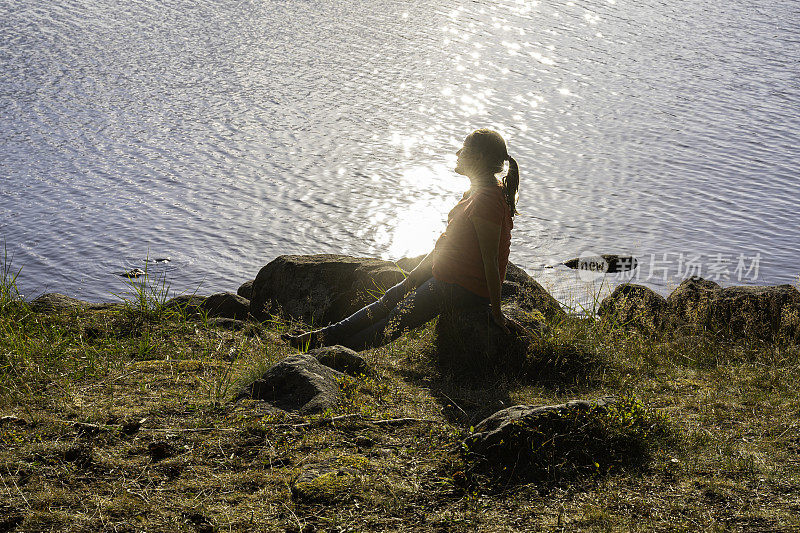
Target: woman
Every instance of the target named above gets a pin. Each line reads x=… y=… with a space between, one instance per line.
x=466 y=267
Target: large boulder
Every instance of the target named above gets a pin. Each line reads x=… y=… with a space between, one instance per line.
x=636 y=307
x=226 y=305
x=552 y=442
x=521 y=288
x=298 y=383
x=692 y=301
x=320 y=289
x=768 y=313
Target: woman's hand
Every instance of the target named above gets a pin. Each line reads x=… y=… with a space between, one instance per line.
x=501 y=320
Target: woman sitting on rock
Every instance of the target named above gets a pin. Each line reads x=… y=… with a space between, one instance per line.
x=466 y=267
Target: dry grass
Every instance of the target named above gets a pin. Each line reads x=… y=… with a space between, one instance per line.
x=81 y=382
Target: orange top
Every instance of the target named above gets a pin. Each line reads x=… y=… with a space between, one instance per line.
x=458 y=255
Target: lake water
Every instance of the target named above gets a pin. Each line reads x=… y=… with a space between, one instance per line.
x=222 y=134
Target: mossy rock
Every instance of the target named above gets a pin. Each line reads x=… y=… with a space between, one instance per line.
x=558 y=442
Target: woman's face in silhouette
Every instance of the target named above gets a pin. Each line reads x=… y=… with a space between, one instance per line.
x=467 y=160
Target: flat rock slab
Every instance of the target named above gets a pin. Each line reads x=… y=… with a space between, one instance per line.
x=342 y=359
x=298 y=383
x=53 y=302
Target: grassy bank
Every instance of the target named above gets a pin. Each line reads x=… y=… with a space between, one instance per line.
x=122 y=421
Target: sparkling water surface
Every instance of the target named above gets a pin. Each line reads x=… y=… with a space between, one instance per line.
x=222 y=134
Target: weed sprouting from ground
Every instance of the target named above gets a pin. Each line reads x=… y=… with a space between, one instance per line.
x=9 y=292
x=146 y=295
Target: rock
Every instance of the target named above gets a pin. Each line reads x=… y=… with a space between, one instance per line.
x=185 y=303
x=410 y=263
x=248 y=328
x=84 y=428
x=132 y=274
x=12 y=420
x=769 y=313
x=330 y=481
x=469 y=341
x=635 y=306
x=692 y=301
x=298 y=383
x=558 y=441
x=528 y=294
x=532 y=320
x=362 y=441
x=226 y=305
x=246 y=289
x=55 y=302
x=342 y=359
x=320 y=289
x=132 y=426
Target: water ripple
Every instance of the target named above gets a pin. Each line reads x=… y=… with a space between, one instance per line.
x=225 y=133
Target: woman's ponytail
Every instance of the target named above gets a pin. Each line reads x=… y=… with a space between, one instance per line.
x=511 y=185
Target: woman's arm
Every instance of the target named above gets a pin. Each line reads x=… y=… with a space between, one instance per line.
x=421 y=272
x=489 y=241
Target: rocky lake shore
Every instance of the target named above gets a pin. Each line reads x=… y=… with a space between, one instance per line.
x=191 y=414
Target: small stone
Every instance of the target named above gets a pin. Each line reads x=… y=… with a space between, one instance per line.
x=185 y=303
x=327 y=482
x=298 y=383
x=362 y=441
x=342 y=359
x=88 y=429
x=130 y=427
x=12 y=420
x=134 y=273
x=246 y=289
x=226 y=305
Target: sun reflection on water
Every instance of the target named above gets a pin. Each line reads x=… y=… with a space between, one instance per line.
x=412 y=228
